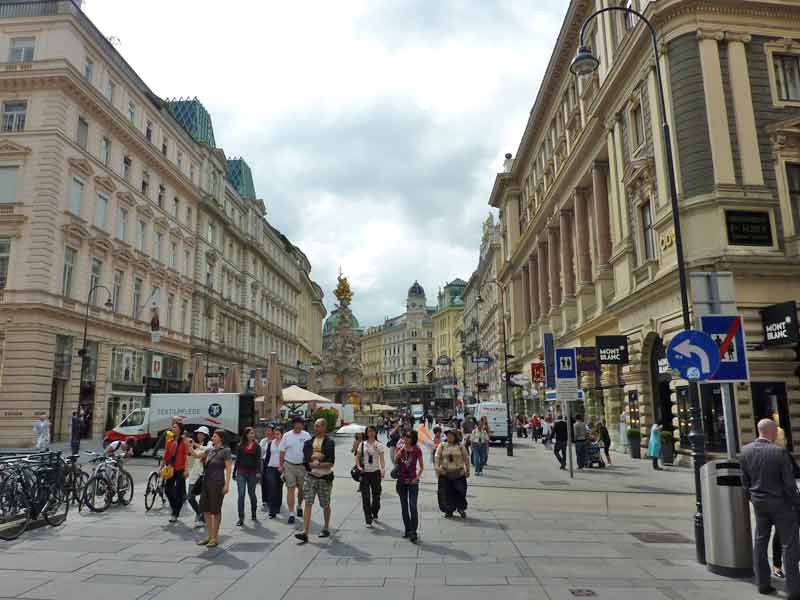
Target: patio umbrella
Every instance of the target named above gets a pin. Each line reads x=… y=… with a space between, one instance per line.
x=198 y=375
x=259 y=388
x=233 y=381
x=273 y=397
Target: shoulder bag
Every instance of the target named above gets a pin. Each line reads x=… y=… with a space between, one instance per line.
x=355 y=472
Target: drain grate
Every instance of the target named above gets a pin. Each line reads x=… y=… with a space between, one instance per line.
x=583 y=593
x=249 y=547
x=660 y=537
x=554 y=482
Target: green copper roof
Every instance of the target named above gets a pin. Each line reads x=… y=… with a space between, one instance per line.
x=194 y=118
x=333 y=320
x=241 y=177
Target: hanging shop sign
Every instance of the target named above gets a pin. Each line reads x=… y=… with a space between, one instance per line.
x=587 y=358
x=157 y=366
x=612 y=349
x=537 y=372
x=780 y=324
x=549 y=344
x=748 y=228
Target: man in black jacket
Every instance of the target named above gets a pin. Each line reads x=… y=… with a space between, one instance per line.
x=560 y=436
x=319 y=454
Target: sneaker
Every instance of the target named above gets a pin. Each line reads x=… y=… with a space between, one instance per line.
x=369 y=524
x=254 y=517
x=462 y=514
x=324 y=533
x=291 y=520
x=240 y=522
x=448 y=515
x=406 y=535
x=375 y=518
x=264 y=507
x=271 y=515
x=299 y=512
x=413 y=538
x=302 y=537
x=173 y=519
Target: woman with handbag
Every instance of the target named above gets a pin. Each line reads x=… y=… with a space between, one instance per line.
x=246 y=473
x=174 y=471
x=408 y=457
x=216 y=483
x=452 y=467
x=196 y=473
x=370 y=468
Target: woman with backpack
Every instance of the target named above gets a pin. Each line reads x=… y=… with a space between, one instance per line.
x=452 y=467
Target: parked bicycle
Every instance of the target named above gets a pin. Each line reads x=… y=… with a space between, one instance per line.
x=108 y=484
x=75 y=480
x=154 y=489
x=31 y=486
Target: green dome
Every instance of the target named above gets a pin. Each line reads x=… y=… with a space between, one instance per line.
x=330 y=323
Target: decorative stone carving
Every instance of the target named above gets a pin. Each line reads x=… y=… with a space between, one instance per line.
x=341 y=350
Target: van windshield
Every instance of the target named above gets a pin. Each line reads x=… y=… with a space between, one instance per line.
x=135 y=419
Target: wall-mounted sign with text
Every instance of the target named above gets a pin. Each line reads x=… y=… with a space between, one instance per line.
x=612 y=349
x=780 y=324
x=748 y=228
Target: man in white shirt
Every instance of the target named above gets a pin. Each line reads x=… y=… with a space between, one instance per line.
x=291 y=463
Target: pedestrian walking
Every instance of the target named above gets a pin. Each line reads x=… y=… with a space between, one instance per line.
x=195 y=479
x=358 y=438
x=371 y=464
x=654 y=447
x=75 y=426
x=248 y=463
x=579 y=436
x=437 y=441
x=408 y=457
x=271 y=479
x=291 y=464
x=605 y=437
x=769 y=483
x=480 y=447
x=560 y=435
x=536 y=429
x=319 y=455
x=522 y=430
x=216 y=484
x=41 y=430
x=176 y=454
x=452 y=468
x=546 y=429
x=264 y=443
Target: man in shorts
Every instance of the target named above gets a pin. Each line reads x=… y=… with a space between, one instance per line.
x=319 y=455
x=291 y=463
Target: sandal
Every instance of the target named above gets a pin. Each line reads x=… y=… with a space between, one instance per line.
x=212 y=544
x=204 y=542
x=778 y=573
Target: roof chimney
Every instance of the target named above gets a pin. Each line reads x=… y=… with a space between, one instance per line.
x=508 y=163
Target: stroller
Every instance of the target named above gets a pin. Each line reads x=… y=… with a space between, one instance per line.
x=595 y=459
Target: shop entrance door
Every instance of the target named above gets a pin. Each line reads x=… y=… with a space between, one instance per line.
x=769 y=402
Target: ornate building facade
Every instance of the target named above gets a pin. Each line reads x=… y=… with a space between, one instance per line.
x=447 y=359
x=106 y=197
x=587 y=235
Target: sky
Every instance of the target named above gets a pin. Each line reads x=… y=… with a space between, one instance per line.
x=374 y=129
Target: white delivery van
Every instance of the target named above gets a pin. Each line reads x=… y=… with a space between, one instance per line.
x=417 y=411
x=496 y=414
x=226 y=411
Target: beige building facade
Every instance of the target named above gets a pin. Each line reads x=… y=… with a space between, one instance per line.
x=587 y=236
x=106 y=195
x=448 y=364
x=372 y=364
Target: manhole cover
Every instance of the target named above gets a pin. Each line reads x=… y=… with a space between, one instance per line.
x=249 y=547
x=660 y=537
x=582 y=593
x=554 y=482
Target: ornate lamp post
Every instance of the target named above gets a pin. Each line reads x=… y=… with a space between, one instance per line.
x=584 y=64
x=83 y=350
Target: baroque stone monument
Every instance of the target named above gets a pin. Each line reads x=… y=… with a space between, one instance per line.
x=341 y=350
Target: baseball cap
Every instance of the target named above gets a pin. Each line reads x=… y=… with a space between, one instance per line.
x=203 y=429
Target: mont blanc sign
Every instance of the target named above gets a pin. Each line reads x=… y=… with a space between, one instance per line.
x=780 y=324
x=612 y=349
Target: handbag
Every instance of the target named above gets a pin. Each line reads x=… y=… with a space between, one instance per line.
x=168 y=470
x=395 y=472
x=355 y=472
x=197 y=486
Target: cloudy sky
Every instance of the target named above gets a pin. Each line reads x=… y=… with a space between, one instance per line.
x=373 y=128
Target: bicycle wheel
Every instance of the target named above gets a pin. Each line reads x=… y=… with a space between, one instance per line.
x=15 y=509
x=97 y=494
x=81 y=479
x=151 y=491
x=57 y=507
x=124 y=488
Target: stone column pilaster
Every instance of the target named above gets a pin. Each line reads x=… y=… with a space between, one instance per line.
x=583 y=255
x=533 y=282
x=601 y=219
x=544 y=284
x=746 y=133
x=555 y=266
x=565 y=222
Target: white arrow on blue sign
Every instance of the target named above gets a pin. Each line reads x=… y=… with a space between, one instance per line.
x=694 y=355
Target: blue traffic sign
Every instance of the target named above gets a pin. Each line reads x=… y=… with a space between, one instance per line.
x=566 y=364
x=728 y=335
x=694 y=355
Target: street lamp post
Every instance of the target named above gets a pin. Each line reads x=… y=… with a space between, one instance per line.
x=83 y=350
x=584 y=64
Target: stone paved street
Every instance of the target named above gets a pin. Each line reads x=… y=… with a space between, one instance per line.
x=523 y=543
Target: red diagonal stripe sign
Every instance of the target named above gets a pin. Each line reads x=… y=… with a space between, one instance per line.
x=734 y=328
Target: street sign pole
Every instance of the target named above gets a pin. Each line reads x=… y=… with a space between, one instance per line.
x=727 y=412
x=568 y=412
x=566 y=370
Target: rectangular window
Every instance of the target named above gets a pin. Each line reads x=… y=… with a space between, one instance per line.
x=647 y=232
x=137 y=298
x=187 y=262
x=212 y=233
x=184 y=314
x=145 y=183
x=8 y=185
x=100 y=211
x=637 y=125
x=83 y=133
x=140 y=235
x=75 y=197
x=95 y=278
x=787 y=75
x=162 y=191
x=5 y=253
x=14 y=115
x=189 y=216
x=69 y=269
x=173 y=256
x=131 y=111
x=164 y=146
x=209 y=274
x=111 y=89
x=157 y=246
x=105 y=151
x=122 y=223
x=148 y=131
x=88 y=69
x=126 y=168
x=116 y=290
x=175 y=207
x=180 y=160
x=21 y=50
x=793 y=181
x=170 y=309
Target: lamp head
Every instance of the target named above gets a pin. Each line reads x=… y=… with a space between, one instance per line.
x=109 y=304
x=585 y=63
x=480 y=299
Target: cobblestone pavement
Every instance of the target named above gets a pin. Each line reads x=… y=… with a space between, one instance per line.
x=522 y=538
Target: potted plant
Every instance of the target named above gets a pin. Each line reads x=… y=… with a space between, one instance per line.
x=635 y=442
x=667 y=447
